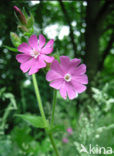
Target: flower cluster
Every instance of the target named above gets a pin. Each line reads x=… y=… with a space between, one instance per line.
x=67 y=76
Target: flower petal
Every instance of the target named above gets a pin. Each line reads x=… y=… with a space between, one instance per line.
x=56 y=67
x=78 y=86
x=39 y=62
x=34 y=69
x=63 y=90
x=41 y=41
x=79 y=70
x=65 y=62
x=48 y=48
x=26 y=66
x=83 y=79
x=68 y=65
x=75 y=61
x=48 y=59
x=25 y=48
x=57 y=83
x=22 y=58
x=71 y=91
x=33 y=42
x=52 y=75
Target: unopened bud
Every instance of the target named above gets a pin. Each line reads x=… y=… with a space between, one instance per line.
x=23 y=28
x=20 y=15
x=30 y=21
x=15 y=39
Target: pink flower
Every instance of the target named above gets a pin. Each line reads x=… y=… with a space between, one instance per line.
x=68 y=77
x=69 y=130
x=65 y=140
x=34 y=54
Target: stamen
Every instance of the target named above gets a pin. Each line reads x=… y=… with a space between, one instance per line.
x=67 y=77
x=35 y=53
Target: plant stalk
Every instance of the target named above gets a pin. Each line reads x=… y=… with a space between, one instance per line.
x=39 y=98
x=53 y=107
x=53 y=144
x=42 y=111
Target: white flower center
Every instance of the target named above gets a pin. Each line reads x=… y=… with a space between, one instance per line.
x=67 y=77
x=35 y=53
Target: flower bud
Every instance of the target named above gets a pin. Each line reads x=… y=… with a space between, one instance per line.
x=20 y=15
x=16 y=41
x=30 y=21
x=22 y=28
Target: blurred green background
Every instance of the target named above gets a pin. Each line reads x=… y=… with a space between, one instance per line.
x=81 y=29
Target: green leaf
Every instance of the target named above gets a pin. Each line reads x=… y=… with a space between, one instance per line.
x=29 y=33
x=109 y=63
x=35 y=121
x=11 y=49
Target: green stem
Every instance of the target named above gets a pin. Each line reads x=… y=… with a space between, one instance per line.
x=53 y=144
x=53 y=107
x=39 y=98
x=42 y=112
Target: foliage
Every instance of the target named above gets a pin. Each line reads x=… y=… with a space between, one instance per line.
x=33 y=120
x=93 y=129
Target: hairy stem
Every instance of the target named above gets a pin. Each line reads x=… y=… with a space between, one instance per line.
x=53 y=107
x=39 y=98
x=53 y=144
x=42 y=112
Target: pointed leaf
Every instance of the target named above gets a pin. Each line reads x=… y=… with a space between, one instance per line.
x=11 y=49
x=35 y=121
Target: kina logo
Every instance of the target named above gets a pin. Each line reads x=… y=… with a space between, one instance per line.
x=96 y=150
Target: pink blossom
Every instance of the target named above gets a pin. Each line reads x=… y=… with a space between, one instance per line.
x=34 y=54
x=69 y=130
x=65 y=140
x=68 y=77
